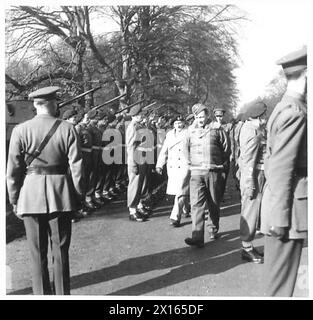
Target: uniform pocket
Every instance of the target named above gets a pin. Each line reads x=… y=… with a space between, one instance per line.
x=300 y=205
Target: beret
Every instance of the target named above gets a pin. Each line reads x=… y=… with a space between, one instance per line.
x=91 y=114
x=198 y=107
x=68 y=114
x=177 y=118
x=135 y=110
x=254 y=109
x=46 y=93
x=294 y=61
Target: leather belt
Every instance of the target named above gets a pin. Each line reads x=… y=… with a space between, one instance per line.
x=86 y=149
x=48 y=170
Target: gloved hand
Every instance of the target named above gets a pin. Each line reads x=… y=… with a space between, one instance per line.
x=278 y=232
x=158 y=171
x=135 y=170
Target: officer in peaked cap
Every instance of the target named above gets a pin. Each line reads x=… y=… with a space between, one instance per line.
x=285 y=197
x=44 y=94
x=294 y=62
x=219 y=111
x=56 y=173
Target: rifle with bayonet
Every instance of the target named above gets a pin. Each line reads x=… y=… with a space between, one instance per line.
x=129 y=107
x=61 y=105
x=108 y=102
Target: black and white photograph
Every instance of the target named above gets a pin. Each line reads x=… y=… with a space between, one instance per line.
x=156 y=150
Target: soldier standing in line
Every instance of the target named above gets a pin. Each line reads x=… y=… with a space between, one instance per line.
x=205 y=149
x=284 y=205
x=102 y=169
x=74 y=118
x=137 y=172
x=253 y=144
x=45 y=155
x=120 y=171
x=92 y=202
x=108 y=187
x=85 y=139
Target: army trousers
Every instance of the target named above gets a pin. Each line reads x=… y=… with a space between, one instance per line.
x=94 y=172
x=137 y=187
x=205 y=188
x=40 y=228
x=250 y=208
x=281 y=264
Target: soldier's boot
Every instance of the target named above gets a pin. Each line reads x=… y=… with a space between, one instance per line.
x=106 y=196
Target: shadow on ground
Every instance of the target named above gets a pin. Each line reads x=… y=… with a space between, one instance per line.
x=185 y=263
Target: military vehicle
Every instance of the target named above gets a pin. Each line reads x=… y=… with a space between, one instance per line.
x=20 y=110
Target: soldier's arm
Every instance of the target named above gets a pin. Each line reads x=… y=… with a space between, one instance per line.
x=225 y=143
x=289 y=133
x=162 y=159
x=15 y=167
x=186 y=147
x=250 y=153
x=75 y=162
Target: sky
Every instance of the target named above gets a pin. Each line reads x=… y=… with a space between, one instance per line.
x=275 y=29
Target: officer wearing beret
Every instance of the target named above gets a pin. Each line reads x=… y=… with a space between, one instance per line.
x=252 y=141
x=137 y=173
x=47 y=212
x=205 y=150
x=284 y=204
